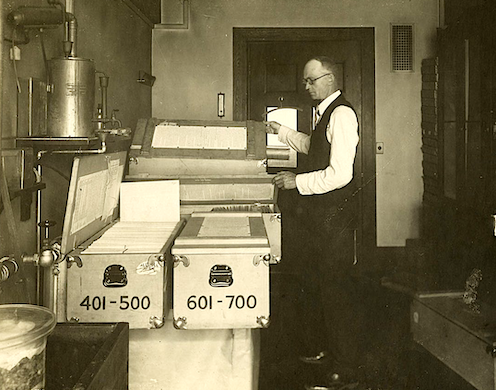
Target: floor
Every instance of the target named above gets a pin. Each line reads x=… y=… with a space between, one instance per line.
x=393 y=361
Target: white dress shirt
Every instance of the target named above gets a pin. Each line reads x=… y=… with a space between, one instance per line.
x=342 y=134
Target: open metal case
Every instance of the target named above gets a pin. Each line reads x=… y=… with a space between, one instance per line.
x=117 y=270
x=221 y=276
x=222 y=257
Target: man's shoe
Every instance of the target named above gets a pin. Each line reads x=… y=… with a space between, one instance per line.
x=316 y=359
x=337 y=386
x=348 y=386
x=335 y=381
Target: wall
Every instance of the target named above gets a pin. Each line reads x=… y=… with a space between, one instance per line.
x=119 y=41
x=193 y=65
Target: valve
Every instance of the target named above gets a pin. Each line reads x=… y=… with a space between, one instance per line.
x=50 y=255
x=46 y=224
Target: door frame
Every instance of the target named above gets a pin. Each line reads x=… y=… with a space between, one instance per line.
x=366 y=36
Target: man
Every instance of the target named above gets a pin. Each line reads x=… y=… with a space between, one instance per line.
x=326 y=216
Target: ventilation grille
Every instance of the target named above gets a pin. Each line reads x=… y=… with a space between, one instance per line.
x=402 y=48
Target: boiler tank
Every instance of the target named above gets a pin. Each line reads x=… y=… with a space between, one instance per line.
x=71 y=101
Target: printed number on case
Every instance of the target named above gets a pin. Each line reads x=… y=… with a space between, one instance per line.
x=125 y=303
x=207 y=302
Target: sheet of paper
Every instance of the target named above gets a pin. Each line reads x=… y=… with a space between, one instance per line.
x=225 y=227
x=150 y=201
x=285 y=116
x=199 y=137
x=112 y=194
x=90 y=197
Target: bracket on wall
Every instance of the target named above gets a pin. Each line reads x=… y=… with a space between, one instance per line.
x=184 y=25
x=146 y=78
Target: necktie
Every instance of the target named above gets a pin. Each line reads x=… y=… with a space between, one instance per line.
x=317 y=117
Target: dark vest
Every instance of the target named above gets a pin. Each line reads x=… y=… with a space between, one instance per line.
x=334 y=209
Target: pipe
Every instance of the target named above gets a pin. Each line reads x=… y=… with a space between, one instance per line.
x=36 y=17
x=69 y=6
x=70 y=9
x=60 y=269
x=102 y=150
x=104 y=82
x=73 y=35
x=66 y=45
x=39 y=272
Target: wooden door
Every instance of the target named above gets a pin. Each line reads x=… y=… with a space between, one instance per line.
x=274 y=70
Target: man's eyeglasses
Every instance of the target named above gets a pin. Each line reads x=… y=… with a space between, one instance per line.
x=312 y=81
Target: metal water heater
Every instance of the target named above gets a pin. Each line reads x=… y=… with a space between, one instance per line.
x=72 y=98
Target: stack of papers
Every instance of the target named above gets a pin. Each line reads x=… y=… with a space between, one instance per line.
x=133 y=237
x=149 y=213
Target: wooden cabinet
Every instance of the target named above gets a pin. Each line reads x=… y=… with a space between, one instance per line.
x=458 y=146
x=465 y=115
x=459 y=142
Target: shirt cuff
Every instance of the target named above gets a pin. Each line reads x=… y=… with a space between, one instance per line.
x=282 y=135
x=302 y=184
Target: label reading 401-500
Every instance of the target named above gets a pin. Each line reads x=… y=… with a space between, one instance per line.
x=124 y=303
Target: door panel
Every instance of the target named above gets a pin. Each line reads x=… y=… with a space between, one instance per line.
x=289 y=58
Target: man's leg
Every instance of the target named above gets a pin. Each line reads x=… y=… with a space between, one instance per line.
x=343 y=304
x=303 y=289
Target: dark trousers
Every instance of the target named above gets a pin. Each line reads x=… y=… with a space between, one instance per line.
x=324 y=285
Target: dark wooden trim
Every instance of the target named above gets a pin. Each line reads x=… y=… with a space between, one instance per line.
x=240 y=74
x=369 y=224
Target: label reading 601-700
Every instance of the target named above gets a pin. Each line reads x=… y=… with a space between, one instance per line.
x=123 y=303
x=206 y=302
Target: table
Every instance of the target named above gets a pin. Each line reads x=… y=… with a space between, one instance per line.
x=216 y=359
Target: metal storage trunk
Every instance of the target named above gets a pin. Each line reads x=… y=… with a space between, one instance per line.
x=117 y=271
x=221 y=270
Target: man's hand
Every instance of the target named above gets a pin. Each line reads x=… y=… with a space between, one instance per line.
x=272 y=127
x=285 y=180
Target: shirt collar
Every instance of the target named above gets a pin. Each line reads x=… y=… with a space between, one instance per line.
x=322 y=106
